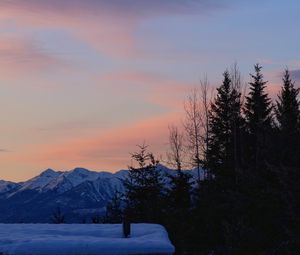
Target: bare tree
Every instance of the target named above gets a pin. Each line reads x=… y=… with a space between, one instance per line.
x=176 y=153
x=206 y=95
x=196 y=123
x=237 y=82
x=192 y=125
x=235 y=77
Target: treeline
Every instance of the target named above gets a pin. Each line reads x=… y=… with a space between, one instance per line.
x=246 y=200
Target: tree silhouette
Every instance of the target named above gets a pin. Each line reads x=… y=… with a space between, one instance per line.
x=258 y=114
x=288 y=117
x=176 y=153
x=144 y=188
x=58 y=217
x=114 y=211
x=225 y=120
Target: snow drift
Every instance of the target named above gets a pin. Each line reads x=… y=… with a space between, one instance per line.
x=82 y=239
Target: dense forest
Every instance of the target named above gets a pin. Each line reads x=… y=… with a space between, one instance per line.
x=247 y=200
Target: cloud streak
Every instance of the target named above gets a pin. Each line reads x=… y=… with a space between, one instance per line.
x=107 y=26
x=132 y=7
x=20 y=55
x=110 y=149
x=156 y=87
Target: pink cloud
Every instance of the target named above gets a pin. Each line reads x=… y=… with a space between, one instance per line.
x=107 y=31
x=108 y=150
x=170 y=94
x=134 y=77
x=20 y=56
x=125 y=7
x=107 y=26
x=159 y=89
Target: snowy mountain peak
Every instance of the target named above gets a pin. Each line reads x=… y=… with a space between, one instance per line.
x=49 y=173
x=65 y=181
x=81 y=173
x=78 y=175
x=40 y=181
x=81 y=170
x=6 y=186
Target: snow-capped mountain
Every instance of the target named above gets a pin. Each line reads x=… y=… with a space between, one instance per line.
x=40 y=181
x=68 y=180
x=6 y=186
x=76 y=191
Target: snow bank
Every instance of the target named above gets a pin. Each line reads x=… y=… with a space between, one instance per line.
x=82 y=239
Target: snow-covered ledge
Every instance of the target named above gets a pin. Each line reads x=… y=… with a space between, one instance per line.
x=83 y=239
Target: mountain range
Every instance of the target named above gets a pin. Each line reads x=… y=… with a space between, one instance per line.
x=79 y=193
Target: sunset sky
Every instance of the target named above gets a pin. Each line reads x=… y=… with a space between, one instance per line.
x=83 y=81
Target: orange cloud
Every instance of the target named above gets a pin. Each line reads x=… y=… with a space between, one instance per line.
x=109 y=150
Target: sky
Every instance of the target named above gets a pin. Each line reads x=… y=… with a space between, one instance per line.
x=83 y=82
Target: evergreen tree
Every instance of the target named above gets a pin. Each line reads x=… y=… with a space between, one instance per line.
x=288 y=117
x=179 y=209
x=144 y=188
x=58 y=217
x=114 y=212
x=217 y=202
x=262 y=204
x=179 y=194
x=258 y=114
x=224 y=122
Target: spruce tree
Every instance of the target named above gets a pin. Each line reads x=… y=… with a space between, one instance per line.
x=144 y=188
x=178 y=208
x=58 y=217
x=114 y=211
x=288 y=118
x=225 y=120
x=225 y=123
x=263 y=205
x=258 y=114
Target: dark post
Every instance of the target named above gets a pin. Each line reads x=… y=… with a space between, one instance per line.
x=126 y=225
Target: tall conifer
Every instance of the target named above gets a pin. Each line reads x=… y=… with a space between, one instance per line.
x=258 y=114
x=288 y=118
x=144 y=188
x=224 y=121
